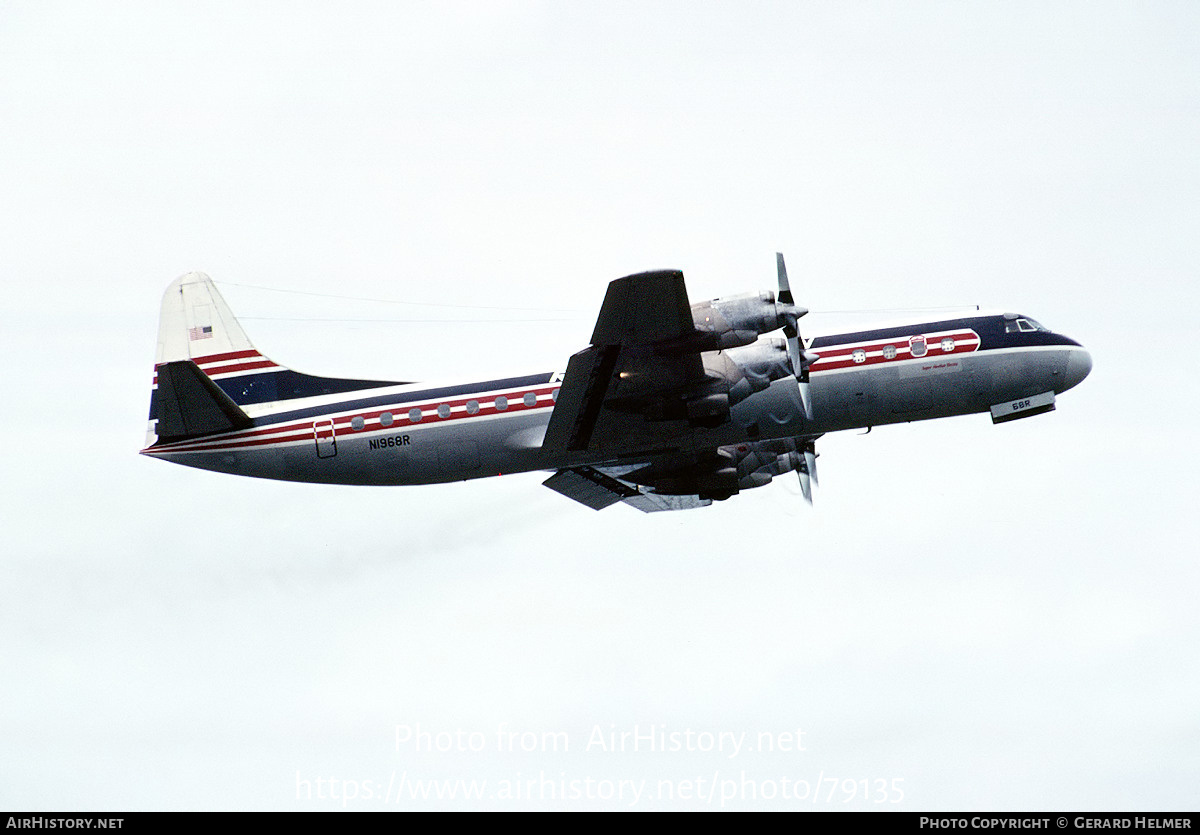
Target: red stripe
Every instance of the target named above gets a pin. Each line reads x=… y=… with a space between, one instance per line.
x=293 y=436
x=304 y=430
x=232 y=355
x=486 y=407
x=228 y=369
x=846 y=361
x=899 y=342
x=245 y=366
x=964 y=343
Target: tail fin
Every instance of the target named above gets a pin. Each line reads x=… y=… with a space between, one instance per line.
x=196 y=324
x=207 y=371
x=198 y=336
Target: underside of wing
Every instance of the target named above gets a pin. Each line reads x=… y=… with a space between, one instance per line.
x=597 y=489
x=678 y=481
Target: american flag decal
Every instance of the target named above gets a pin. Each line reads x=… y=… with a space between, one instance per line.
x=200 y=333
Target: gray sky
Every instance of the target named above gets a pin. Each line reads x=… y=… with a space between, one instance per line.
x=996 y=617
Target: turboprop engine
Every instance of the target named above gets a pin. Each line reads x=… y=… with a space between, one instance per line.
x=744 y=371
x=736 y=361
x=740 y=320
x=731 y=469
x=734 y=375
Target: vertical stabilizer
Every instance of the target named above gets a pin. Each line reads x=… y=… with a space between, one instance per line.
x=197 y=331
x=207 y=374
x=195 y=322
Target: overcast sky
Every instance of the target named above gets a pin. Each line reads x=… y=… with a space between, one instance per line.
x=981 y=617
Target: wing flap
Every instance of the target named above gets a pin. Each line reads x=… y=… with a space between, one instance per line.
x=589 y=487
x=580 y=398
x=598 y=490
x=654 y=503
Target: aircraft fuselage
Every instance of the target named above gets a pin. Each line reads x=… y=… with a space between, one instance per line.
x=422 y=434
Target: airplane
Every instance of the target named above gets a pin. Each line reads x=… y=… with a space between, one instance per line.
x=672 y=406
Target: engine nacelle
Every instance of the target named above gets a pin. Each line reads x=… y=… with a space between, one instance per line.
x=749 y=369
x=739 y=320
x=708 y=410
x=732 y=376
x=712 y=477
x=761 y=461
x=726 y=471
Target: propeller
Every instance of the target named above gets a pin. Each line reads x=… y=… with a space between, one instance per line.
x=802 y=460
x=805 y=486
x=810 y=460
x=800 y=357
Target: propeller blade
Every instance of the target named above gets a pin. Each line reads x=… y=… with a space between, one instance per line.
x=800 y=358
x=795 y=355
x=806 y=399
x=805 y=486
x=786 y=301
x=810 y=463
x=785 y=289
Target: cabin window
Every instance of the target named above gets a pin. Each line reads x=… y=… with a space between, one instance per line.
x=386 y=419
x=501 y=403
x=357 y=424
x=947 y=344
x=472 y=407
x=443 y=411
x=414 y=414
x=530 y=398
x=889 y=352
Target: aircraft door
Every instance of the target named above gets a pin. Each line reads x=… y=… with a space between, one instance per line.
x=325 y=438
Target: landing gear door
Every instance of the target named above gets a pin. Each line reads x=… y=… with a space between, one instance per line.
x=326 y=440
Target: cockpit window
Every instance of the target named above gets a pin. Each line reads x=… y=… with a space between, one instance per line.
x=1023 y=324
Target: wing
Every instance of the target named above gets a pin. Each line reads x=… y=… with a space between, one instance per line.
x=639 y=397
x=639 y=387
x=680 y=481
x=599 y=489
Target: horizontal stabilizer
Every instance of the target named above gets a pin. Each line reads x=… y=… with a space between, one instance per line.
x=189 y=404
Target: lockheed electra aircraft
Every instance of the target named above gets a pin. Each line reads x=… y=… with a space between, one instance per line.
x=672 y=406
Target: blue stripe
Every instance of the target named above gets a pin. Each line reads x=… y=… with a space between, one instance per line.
x=991 y=330
x=281 y=384
x=407 y=397
x=285 y=384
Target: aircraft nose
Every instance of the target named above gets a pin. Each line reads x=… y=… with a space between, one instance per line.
x=1079 y=365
